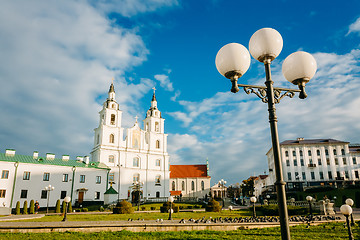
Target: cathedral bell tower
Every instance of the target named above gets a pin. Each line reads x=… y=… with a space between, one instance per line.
x=109 y=133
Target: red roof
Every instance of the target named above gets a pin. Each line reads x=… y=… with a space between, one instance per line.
x=188 y=171
x=175 y=193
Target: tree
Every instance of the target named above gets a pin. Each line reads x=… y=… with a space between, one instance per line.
x=32 y=207
x=247 y=187
x=70 y=207
x=213 y=206
x=57 y=207
x=123 y=207
x=17 y=209
x=25 y=208
x=63 y=207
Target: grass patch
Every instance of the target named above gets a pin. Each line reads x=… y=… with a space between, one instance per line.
x=324 y=231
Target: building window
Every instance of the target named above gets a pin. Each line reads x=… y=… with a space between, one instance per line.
x=173 y=186
x=157 y=180
x=82 y=178
x=111 y=177
x=135 y=162
x=321 y=174
x=312 y=175
x=297 y=176
x=157 y=144
x=183 y=186
x=354 y=160
x=356 y=174
x=2 y=193
x=336 y=161
x=302 y=162
x=301 y=153
x=23 y=194
x=294 y=154
x=334 y=152
x=98 y=179
x=343 y=152
x=65 y=177
x=326 y=152
x=112 y=120
x=330 y=175
x=288 y=163
x=344 y=161
x=26 y=176
x=202 y=185
x=157 y=162
x=97 y=139
x=347 y=174
x=192 y=186
x=318 y=152
x=319 y=161
x=157 y=194
x=97 y=195
x=112 y=138
x=111 y=159
x=309 y=153
x=328 y=161
x=304 y=176
x=157 y=128
x=295 y=163
x=62 y=194
x=286 y=153
x=136 y=178
x=44 y=194
x=46 y=176
x=5 y=174
x=289 y=176
x=337 y=174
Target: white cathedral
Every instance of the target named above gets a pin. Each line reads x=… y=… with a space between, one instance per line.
x=116 y=164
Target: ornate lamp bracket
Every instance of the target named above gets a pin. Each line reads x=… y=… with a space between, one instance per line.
x=261 y=92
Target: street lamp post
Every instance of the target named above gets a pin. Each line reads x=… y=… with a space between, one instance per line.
x=309 y=199
x=233 y=60
x=222 y=183
x=253 y=200
x=171 y=200
x=48 y=189
x=347 y=210
x=136 y=186
x=66 y=200
x=350 y=202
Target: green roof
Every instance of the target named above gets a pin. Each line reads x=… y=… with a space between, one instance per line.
x=56 y=161
x=111 y=190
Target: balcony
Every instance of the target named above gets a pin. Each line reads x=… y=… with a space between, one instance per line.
x=339 y=178
x=311 y=165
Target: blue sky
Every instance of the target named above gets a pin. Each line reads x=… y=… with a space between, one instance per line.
x=57 y=59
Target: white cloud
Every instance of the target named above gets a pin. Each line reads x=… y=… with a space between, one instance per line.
x=164 y=82
x=354 y=27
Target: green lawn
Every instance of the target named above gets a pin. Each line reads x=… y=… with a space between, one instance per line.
x=326 y=231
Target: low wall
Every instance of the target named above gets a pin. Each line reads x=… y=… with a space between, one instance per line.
x=5 y=211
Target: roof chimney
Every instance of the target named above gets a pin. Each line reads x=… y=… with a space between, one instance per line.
x=10 y=152
x=300 y=139
x=87 y=159
x=65 y=157
x=79 y=158
x=35 y=155
x=50 y=156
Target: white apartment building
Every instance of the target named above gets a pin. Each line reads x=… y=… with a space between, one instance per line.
x=316 y=162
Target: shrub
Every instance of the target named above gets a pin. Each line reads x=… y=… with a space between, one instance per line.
x=213 y=206
x=273 y=210
x=181 y=207
x=153 y=208
x=17 y=209
x=101 y=209
x=123 y=207
x=197 y=206
x=57 y=206
x=84 y=210
x=25 y=208
x=166 y=206
x=143 y=208
x=32 y=207
x=70 y=207
x=190 y=207
x=63 y=206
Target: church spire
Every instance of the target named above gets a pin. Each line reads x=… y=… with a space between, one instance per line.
x=153 y=100
x=111 y=95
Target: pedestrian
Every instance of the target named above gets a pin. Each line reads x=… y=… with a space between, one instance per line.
x=37 y=207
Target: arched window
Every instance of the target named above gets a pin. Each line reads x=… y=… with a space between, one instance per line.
x=326 y=152
x=136 y=162
x=192 y=186
x=111 y=159
x=112 y=138
x=202 y=185
x=157 y=144
x=183 y=186
x=301 y=153
x=309 y=153
x=136 y=177
x=334 y=151
x=342 y=152
x=112 y=120
x=113 y=105
x=157 y=162
x=97 y=139
x=157 y=180
x=147 y=127
x=318 y=152
x=173 y=186
x=286 y=153
x=294 y=153
x=157 y=128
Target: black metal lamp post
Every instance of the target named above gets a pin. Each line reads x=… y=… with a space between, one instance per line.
x=253 y=200
x=222 y=183
x=171 y=200
x=347 y=210
x=350 y=202
x=233 y=60
x=66 y=200
x=309 y=199
x=48 y=189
